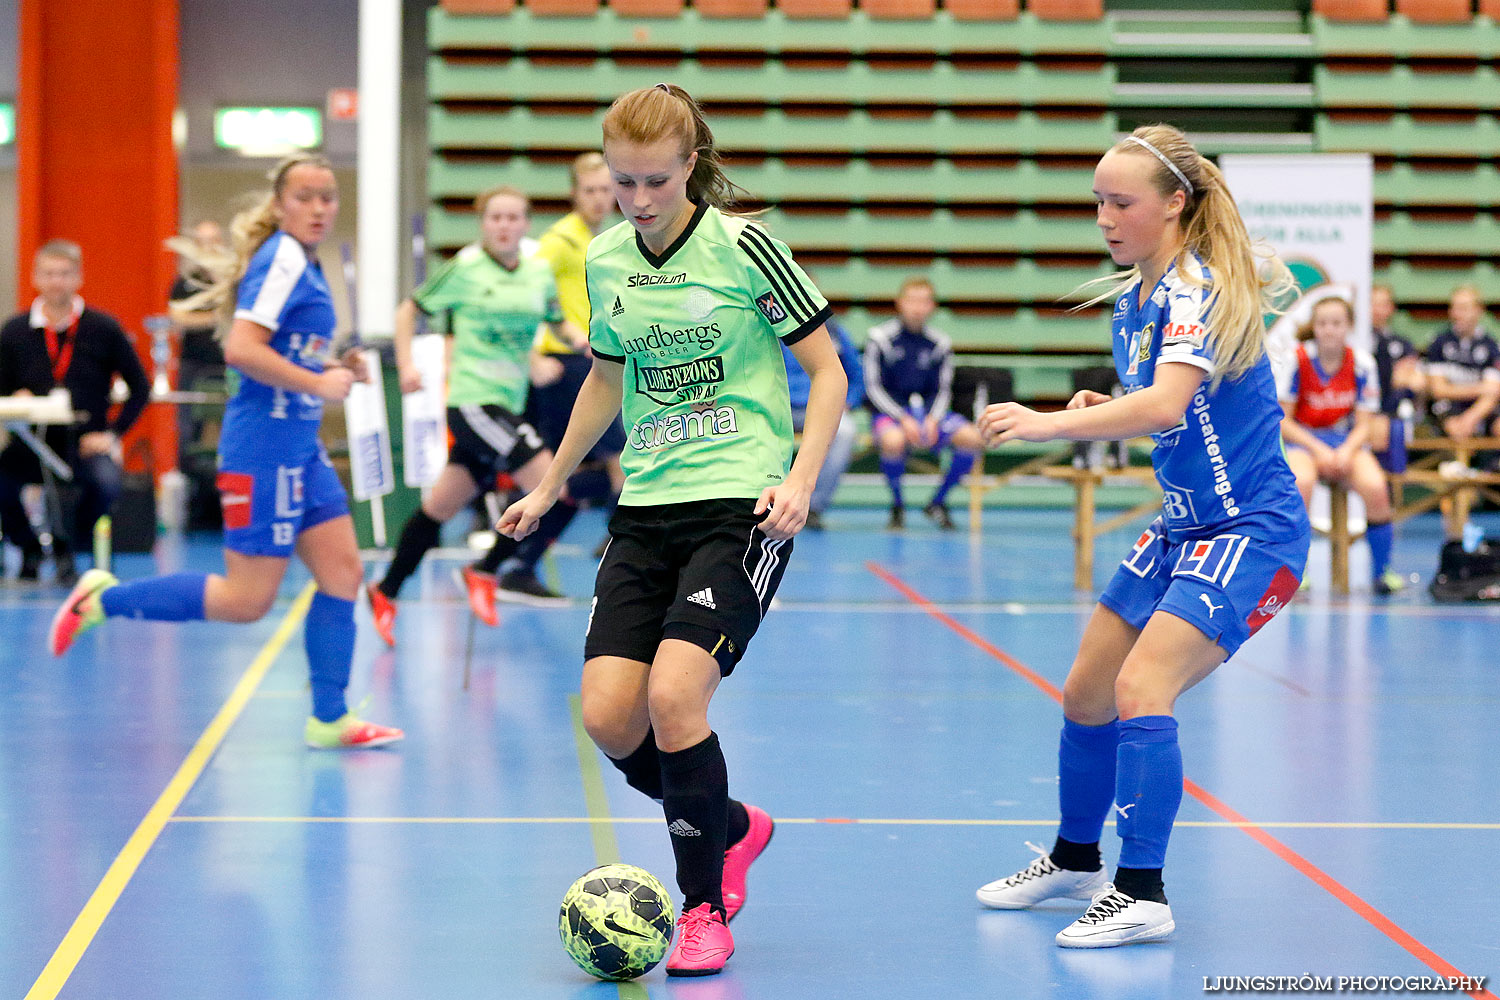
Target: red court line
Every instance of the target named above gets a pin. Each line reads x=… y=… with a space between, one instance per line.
x=1336 y=889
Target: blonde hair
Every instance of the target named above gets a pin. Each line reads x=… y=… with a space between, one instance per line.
x=916 y=281
x=247 y=231
x=650 y=114
x=60 y=250
x=482 y=200
x=1247 y=280
x=584 y=163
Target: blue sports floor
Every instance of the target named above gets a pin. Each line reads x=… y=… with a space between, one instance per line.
x=165 y=836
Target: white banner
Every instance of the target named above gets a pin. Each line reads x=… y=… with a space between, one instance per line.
x=369 y=434
x=1317 y=210
x=424 y=425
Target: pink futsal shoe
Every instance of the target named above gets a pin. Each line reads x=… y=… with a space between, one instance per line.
x=80 y=612
x=703 y=943
x=383 y=610
x=481 y=590
x=741 y=854
x=348 y=732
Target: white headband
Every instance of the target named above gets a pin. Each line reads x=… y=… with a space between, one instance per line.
x=1187 y=185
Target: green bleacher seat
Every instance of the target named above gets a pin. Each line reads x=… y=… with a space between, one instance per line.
x=1471 y=185
x=1401 y=38
x=1405 y=134
x=857 y=82
x=777 y=131
x=1405 y=235
x=1401 y=86
x=781 y=182
x=775 y=33
x=1432 y=285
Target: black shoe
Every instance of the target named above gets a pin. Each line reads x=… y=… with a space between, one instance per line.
x=522 y=587
x=64 y=572
x=31 y=566
x=898 y=519
x=814 y=521
x=938 y=514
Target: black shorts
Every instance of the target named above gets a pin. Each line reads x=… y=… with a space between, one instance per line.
x=488 y=440
x=702 y=572
x=549 y=407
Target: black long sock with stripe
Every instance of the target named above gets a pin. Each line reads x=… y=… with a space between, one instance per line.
x=419 y=534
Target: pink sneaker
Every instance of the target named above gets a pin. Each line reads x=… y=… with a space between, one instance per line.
x=741 y=853
x=703 y=944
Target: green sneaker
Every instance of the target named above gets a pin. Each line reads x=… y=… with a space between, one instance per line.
x=348 y=732
x=81 y=611
x=1389 y=583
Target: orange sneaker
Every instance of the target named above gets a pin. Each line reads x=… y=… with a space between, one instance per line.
x=348 y=732
x=481 y=590
x=383 y=609
x=80 y=612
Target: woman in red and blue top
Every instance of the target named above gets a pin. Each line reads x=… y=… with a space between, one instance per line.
x=1331 y=397
x=279 y=491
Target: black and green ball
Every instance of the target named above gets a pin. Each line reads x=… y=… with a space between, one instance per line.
x=616 y=922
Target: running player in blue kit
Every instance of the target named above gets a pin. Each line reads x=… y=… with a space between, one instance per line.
x=280 y=492
x=1226 y=554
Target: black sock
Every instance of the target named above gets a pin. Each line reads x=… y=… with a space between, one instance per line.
x=739 y=823
x=695 y=800
x=503 y=549
x=1141 y=883
x=549 y=528
x=1076 y=857
x=419 y=535
x=642 y=769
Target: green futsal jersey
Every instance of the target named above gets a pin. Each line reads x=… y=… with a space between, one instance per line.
x=492 y=315
x=705 y=397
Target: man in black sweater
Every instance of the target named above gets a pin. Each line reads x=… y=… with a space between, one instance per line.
x=62 y=342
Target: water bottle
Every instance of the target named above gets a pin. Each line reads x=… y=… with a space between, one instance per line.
x=171 y=500
x=103 y=542
x=1473 y=537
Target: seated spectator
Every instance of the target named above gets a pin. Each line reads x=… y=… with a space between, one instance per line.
x=1463 y=380
x=1330 y=397
x=62 y=342
x=1398 y=365
x=842 y=449
x=908 y=380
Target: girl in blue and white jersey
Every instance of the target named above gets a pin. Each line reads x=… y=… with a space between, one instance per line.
x=1226 y=554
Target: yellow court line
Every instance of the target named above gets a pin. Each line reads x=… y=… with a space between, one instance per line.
x=65 y=959
x=604 y=842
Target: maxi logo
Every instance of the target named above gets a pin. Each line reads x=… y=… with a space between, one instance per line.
x=693 y=380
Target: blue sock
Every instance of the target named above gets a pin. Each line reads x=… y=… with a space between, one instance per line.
x=1148 y=789
x=1085 y=779
x=328 y=637
x=958 y=467
x=894 y=468
x=1379 y=536
x=175 y=598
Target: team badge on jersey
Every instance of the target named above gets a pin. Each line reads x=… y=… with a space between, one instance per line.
x=235 y=489
x=770 y=308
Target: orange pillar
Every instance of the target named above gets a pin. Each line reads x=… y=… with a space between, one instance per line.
x=95 y=164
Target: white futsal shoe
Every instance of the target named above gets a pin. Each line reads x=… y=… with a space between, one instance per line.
x=1039 y=881
x=1114 y=919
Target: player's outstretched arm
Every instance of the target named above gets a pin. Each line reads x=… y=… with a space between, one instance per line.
x=1156 y=408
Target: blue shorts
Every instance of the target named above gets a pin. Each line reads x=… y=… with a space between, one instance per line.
x=267 y=505
x=1333 y=437
x=950 y=425
x=1226 y=585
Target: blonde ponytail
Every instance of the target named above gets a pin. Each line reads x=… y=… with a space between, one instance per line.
x=249 y=229
x=1247 y=280
x=651 y=113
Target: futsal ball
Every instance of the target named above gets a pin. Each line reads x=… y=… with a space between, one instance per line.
x=616 y=922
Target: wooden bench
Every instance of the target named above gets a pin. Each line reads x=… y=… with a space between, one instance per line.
x=1455 y=494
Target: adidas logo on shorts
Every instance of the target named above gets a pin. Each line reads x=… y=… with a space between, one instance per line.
x=619 y=307
x=682 y=828
x=704 y=597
